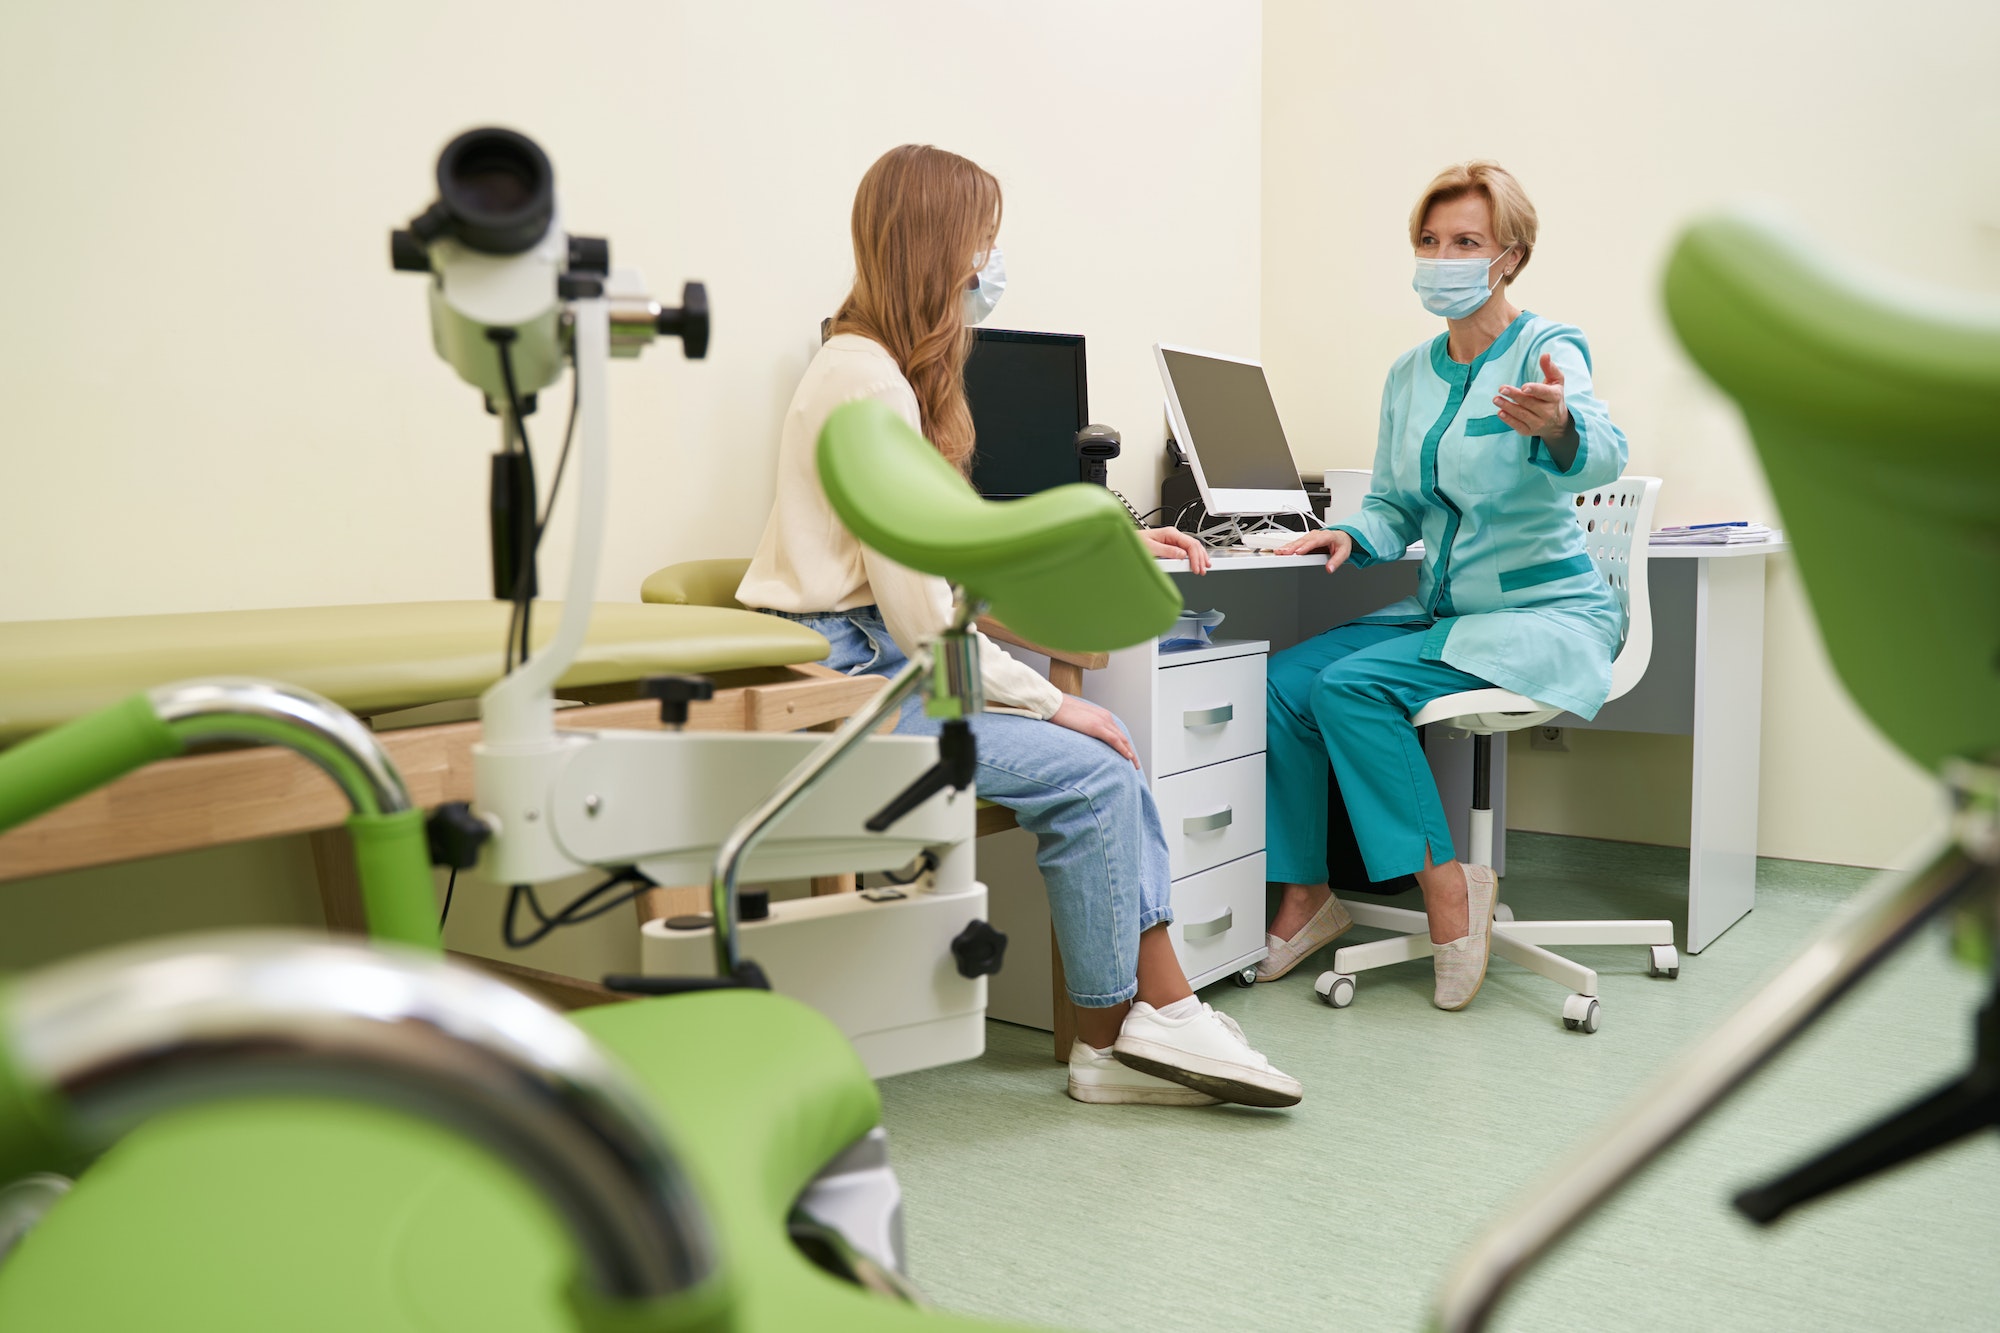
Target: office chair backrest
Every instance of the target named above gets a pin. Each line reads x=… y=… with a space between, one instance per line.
x=1876 y=413
x=1617 y=521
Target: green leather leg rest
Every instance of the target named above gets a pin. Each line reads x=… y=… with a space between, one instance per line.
x=306 y=1216
x=1065 y=568
x=1876 y=413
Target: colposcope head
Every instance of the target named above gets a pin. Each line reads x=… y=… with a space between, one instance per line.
x=502 y=268
x=496 y=196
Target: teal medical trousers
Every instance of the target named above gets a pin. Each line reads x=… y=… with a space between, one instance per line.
x=1347 y=696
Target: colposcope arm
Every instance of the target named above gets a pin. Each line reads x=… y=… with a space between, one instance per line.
x=96 y=1047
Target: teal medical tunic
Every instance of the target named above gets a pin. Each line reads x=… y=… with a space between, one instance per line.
x=1508 y=592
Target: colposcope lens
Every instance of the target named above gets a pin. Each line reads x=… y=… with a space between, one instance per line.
x=499 y=189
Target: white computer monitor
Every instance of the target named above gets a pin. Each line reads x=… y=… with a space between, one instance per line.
x=1224 y=418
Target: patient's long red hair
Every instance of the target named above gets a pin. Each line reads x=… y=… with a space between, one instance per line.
x=923 y=221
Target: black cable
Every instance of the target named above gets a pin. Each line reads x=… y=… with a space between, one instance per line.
x=523 y=595
x=449 y=885
x=562 y=459
x=571 y=915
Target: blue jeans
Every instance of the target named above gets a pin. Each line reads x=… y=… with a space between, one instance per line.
x=1097 y=832
x=1347 y=696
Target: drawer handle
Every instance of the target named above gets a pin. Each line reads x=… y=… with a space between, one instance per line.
x=1207 y=717
x=1205 y=930
x=1222 y=818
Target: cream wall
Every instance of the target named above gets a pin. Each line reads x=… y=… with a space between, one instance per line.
x=1622 y=122
x=219 y=396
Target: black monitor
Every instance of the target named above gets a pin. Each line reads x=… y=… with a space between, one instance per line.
x=1028 y=400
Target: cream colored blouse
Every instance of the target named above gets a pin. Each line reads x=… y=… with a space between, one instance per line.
x=808 y=562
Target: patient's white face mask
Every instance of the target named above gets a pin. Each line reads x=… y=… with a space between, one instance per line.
x=987 y=285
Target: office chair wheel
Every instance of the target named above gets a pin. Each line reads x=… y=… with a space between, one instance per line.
x=1247 y=977
x=1502 y=912
x=1580 y=1013
x=1336 y=988
x=1666 y=962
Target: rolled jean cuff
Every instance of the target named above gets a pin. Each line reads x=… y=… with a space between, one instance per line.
x=1104 y=1001
x=1157 y=916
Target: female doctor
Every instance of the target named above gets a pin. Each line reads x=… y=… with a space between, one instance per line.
x=1486 y=430
x=927 y=264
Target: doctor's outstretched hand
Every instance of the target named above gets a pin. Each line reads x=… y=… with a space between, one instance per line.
x=1337 y=545
x=1536 y=409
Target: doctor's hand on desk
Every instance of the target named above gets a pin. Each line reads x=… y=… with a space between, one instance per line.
x=1173 y=544
x=1337 y=545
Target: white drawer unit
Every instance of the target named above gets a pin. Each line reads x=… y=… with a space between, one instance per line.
x=1197 y=722
x=1212 y=815
x=1219 y=918
x=1208 y=712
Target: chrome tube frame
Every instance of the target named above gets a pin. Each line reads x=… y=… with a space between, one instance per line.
x=797 y=784
x=121 y=1036
x=801 y=780
x=1873 y=926
x=337 y=742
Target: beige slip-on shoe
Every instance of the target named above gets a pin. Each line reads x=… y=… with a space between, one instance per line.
x=1328 y=924
x=1461 y=964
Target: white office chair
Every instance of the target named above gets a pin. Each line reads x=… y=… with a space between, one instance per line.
x=1616 y=520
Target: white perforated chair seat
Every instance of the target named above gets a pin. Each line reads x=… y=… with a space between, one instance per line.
x=1617 y=522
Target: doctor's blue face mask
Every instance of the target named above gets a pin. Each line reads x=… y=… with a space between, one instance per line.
x=1455 y=288
x=987 y=285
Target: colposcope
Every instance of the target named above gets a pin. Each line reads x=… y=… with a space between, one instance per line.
x=512 y=297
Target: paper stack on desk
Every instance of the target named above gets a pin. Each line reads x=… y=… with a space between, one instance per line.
x=1712 y=534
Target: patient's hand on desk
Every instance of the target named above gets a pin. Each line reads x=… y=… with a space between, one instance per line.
x=1337 y=545
x=1173 y=544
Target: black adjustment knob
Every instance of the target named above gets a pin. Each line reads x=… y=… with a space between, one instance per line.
x=455 y=835
x=688 y=321
x=979 y=949
x=675 y=693
x=407 y=254
x=753 y=904
x=589 y=254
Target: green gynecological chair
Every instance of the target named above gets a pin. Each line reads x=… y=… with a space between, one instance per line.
x=1875 y=410
x=269 y=1131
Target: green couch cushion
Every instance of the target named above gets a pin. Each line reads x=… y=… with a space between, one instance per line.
x=365 y=658
x=314 y=1216
x=1065 y=568
x=696 y=583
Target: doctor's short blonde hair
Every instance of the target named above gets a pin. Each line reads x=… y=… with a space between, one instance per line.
x=1513 y=216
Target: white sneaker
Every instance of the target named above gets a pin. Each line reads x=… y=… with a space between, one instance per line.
x=1206 y=1051
x=1103 y=1080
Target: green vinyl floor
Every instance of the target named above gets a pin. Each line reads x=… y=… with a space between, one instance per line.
x=1419 y=1126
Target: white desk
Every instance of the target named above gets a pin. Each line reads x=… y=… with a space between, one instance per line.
x=1705 y=680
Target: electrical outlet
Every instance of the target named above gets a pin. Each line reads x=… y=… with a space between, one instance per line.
x=1548 y=738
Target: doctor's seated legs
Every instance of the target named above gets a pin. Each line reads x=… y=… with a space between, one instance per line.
x=1346 y=697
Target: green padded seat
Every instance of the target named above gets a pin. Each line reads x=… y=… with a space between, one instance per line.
x=1876 y=412
x=320 y=1217
x=696 y=583
x=365 y=658
x=1065 y=567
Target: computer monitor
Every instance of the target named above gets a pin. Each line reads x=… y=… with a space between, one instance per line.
x=1029 y=399
x=1224 y=418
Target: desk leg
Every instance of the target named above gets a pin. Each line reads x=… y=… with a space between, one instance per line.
x=1728 y=712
